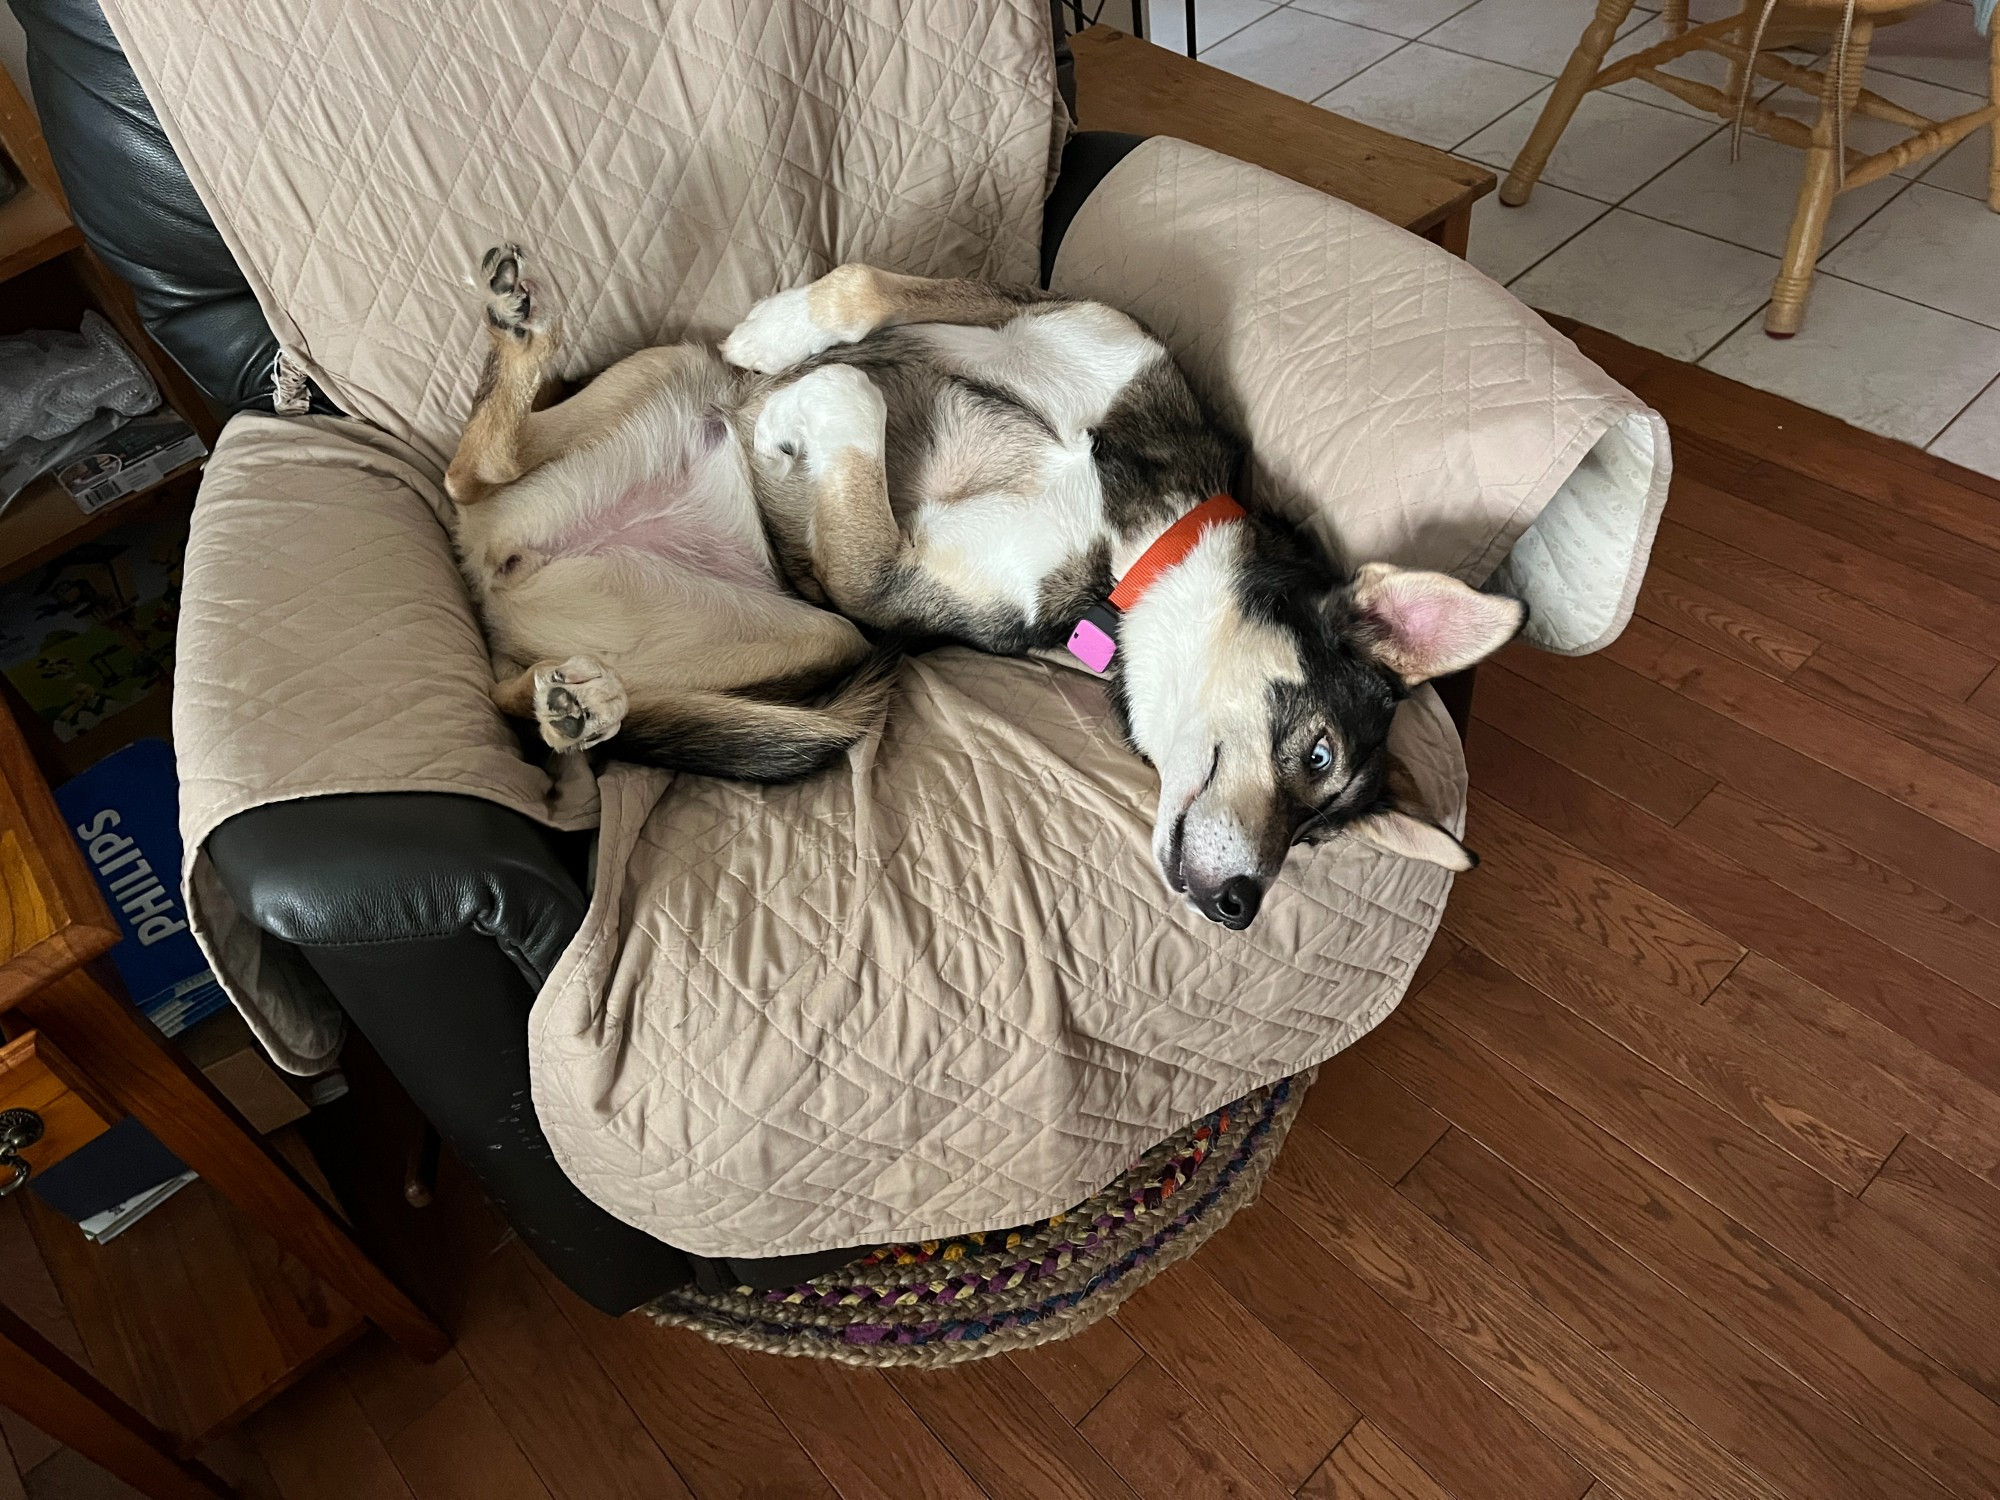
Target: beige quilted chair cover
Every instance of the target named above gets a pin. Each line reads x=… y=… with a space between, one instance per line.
x=939 y=988
x=668 y=162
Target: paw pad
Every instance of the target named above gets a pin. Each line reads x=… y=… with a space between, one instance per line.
x=510 y=295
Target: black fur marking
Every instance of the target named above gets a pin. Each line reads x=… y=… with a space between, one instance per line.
x=1156 y=450
x=1082 y=581
x=780 y=744
x=709 y=749
x=489 y=376
x=1003 y=401
x=1289 y=582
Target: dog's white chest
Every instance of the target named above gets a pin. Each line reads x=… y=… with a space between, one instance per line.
x=1001 y=547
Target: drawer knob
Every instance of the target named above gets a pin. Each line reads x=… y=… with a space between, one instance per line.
x=19 y=1129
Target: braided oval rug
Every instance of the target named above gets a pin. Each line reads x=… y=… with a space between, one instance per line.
x=940 y=1302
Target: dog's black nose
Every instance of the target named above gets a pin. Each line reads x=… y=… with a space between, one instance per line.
x=1235 y=903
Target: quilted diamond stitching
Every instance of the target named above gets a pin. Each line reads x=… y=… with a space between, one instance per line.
x=943 y=989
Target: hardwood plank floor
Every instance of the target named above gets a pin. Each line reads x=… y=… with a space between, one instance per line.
x=1677 y=1173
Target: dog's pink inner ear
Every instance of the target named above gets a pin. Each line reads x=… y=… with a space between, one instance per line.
x=1426 y=625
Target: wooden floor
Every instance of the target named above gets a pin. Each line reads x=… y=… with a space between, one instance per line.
x=1676 y=1176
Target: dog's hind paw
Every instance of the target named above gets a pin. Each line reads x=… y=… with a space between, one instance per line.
x=578 y=704
x=512 y=299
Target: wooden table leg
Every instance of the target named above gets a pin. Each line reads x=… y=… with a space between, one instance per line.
x=1456 y=230
x=140 y=1072
x=1452 y=232
x=67 y=1402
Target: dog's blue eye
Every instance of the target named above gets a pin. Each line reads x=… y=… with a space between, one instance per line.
x=1321 y=759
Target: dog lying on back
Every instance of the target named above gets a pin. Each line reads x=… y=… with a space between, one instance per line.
x=938 y=459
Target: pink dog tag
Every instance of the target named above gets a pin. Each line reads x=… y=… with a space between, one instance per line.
x=1092 y=646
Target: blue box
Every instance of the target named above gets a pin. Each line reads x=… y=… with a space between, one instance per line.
x=124 y=813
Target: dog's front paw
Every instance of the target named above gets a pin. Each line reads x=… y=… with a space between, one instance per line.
x=818 y=415
x=513 y=301
x=779 y=333
x=578 y=704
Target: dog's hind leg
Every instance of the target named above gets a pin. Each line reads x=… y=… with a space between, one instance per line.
x=520 y=359
x=511 y=430
x=852 y=301
x=831 y=424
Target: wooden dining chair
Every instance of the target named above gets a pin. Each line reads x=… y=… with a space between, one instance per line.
x=1837 y=87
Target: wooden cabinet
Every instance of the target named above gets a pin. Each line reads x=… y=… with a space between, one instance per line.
x=254 y=1276
x=36 y=1078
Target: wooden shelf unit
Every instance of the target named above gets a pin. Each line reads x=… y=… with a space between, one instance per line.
x=196 y=1315
x=33 y=228
x=37 y=235
x=44 y=522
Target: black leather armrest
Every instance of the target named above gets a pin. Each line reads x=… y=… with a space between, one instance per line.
x=1087 y=159
x=135 y=206
x=398 y=867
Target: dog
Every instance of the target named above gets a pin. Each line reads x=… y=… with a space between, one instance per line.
x=954 y=460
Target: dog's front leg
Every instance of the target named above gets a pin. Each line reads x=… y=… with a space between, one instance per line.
x=832 y=424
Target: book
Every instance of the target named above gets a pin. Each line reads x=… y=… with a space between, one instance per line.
x=121 y=1168
x=124 y=813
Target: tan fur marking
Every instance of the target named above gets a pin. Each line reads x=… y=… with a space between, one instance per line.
x=855 y=537
x=518 y=365
x=508 y=436
x=848 y=299
x=857 y=300
x=516 y=696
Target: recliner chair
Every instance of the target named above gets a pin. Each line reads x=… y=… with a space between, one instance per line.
x=1453 y=427
x=432 y=919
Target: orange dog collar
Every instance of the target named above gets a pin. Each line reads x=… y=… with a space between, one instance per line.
x=1094 y=641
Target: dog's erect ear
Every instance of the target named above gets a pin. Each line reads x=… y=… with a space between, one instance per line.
x=1423 y=625
x=1394 y=831
x=1400 y=823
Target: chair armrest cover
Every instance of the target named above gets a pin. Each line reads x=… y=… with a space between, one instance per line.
x=327 y=647
x=1394 y=399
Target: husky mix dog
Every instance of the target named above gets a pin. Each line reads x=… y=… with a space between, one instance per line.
x=937 y=459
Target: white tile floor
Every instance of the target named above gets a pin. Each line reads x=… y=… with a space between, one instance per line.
x=1643 y=226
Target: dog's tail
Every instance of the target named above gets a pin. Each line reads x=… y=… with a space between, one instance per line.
x=747 y=737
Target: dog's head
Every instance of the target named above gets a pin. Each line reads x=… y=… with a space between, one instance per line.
x=1261 y=685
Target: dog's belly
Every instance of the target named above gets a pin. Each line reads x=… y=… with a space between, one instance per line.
x=666 y=517
x=677 y=499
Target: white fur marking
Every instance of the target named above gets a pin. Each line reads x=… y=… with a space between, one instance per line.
x=1069 y=363
x=779 y=334
x=819 y=415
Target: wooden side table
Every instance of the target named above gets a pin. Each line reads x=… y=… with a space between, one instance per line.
x=1128 y=85
x=84 y=1056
